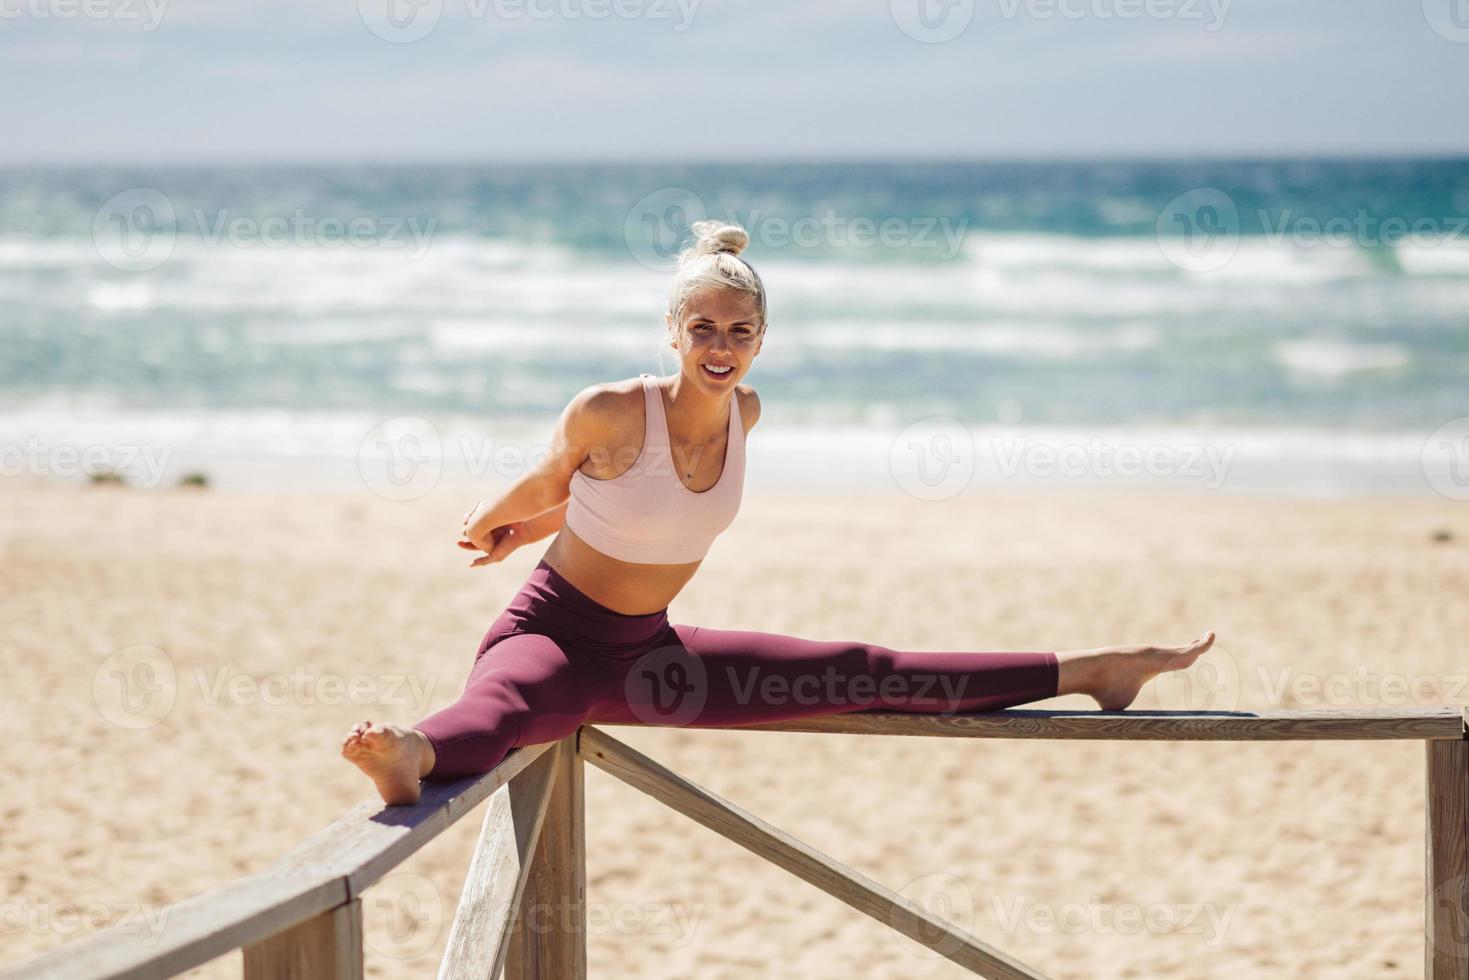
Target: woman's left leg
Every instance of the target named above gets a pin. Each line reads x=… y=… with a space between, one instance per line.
x=712 y=677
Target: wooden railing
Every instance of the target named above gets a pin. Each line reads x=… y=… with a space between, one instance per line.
x=302 y=918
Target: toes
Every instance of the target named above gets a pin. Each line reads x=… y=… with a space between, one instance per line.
x=1197 y=645
x=379 y=737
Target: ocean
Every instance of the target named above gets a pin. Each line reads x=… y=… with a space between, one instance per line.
x=1286 y=326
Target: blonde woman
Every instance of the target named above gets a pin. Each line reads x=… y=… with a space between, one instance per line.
x=587 y=638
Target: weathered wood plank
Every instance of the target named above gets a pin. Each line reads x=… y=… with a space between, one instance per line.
x=325 y=947
x=194 y=931
x=329 y=869
x=1446 y=850
x=495 y=882
x=373 y=839
x=800 y=859
x=339 y=863
x=1171 y=726
x=549 y=939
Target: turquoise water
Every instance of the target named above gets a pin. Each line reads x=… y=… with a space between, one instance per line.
x=1131 y=296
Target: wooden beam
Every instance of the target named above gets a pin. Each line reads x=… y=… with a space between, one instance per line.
x=326 y=871
x=495 y=882
x=326 y=947
x=194 y=931
x=549 y=941
x=336 y=865
x=1171 y=726
x=373 y=839
x=800 y=859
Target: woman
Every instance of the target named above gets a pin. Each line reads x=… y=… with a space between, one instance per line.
x=587 y=638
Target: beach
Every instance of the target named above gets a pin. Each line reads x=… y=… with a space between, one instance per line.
x=264 y=624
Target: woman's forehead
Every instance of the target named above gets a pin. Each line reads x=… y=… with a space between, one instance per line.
x=721 y=304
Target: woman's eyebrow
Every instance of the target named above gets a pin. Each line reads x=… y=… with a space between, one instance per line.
x=697 y=318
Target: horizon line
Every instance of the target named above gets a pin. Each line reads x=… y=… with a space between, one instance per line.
x=1434 y=154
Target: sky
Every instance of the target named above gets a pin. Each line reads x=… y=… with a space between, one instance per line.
x=215 y=81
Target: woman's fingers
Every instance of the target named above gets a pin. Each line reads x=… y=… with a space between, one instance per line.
x=502 y=541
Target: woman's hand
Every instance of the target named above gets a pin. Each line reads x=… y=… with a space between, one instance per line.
x=500 y=541
x=470 y=514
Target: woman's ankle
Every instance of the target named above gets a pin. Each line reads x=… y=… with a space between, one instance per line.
x=426 y=754
x=1076 y=672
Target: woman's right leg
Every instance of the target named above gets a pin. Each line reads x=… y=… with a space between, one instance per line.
x=522 y=690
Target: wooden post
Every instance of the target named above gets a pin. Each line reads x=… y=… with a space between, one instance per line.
x=1446 y=917
x=479 y=941
x=326 y=947
x=550 y=937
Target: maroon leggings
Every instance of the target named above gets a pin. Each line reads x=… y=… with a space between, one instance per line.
x=556 y=659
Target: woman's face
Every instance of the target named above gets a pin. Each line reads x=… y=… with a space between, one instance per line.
x=719 y=328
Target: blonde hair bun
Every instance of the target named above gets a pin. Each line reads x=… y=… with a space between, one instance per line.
x=713 y=237
x=713 y=261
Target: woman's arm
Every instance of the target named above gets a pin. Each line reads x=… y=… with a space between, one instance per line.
x=508 y=537
x=535 y=505
x=543 y=525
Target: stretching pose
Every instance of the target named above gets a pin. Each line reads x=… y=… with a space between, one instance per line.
x=587 y=639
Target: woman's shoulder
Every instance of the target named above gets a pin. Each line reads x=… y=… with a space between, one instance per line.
x=611 y=396
x=749 y=401
x=607 y=411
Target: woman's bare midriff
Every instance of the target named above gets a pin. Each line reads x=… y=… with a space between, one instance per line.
x=625 y=587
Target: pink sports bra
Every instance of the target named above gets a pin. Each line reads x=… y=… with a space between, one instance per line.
x=647 y=514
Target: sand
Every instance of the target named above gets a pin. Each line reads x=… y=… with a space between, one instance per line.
x=284 y=618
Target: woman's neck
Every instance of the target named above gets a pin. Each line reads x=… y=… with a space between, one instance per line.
x=695 y=416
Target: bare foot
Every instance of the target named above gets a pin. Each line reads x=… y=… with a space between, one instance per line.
x=394 y=759
x=1114 y=675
